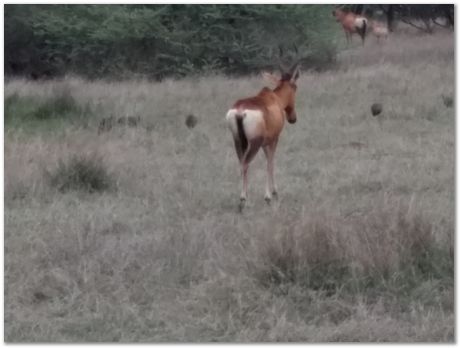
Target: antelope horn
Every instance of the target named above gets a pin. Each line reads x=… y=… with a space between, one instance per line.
x=295 y=68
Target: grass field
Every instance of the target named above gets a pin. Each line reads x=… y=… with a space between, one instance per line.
x=134 y=235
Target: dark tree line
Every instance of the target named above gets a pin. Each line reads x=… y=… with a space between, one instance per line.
x=162 y=40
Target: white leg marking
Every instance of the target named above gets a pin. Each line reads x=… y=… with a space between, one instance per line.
x=244 y=172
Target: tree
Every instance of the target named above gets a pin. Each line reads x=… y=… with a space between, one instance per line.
x=422 y=17
x=162 y=40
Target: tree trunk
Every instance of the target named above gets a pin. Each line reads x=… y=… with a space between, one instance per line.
x=449 y=13
x=390 y=17
x=358 y=9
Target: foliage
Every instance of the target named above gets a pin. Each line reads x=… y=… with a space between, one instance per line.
x=162 y=40
x=428 y=15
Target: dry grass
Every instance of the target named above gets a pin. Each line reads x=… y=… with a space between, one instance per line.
x=357 y=248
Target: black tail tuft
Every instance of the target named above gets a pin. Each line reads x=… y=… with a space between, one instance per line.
x=362 y=31
x=241 y=134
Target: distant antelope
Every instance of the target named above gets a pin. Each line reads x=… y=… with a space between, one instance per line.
x=351 y=23
x=379 y=29
x=257 y=122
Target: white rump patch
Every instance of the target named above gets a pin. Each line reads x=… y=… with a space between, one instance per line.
x=359 y=22
x=251 y=122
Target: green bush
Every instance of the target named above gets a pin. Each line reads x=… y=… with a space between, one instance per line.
x=162 y=40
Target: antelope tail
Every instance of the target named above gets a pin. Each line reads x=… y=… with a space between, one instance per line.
x=241 y=133
x=362 y=29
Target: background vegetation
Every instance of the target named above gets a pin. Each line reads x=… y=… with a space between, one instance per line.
x=161 y=40
x=423 y=17
x=156 y=41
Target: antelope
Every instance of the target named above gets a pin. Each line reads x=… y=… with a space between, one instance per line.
x=351 y=23
x=257 y=122
x=379 y=30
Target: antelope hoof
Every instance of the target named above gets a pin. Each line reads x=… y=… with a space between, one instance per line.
x=242 y=204
x=268 y=200
x=275 y=194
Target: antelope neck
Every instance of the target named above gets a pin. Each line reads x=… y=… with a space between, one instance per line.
x=282 y=92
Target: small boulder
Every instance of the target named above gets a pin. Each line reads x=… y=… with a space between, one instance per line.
x=191 y=121
x=376 y=109
x=105 y=125
x=448 y=101
x=131 y=121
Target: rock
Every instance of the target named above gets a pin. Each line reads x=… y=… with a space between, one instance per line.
x=131 y=121
x=448 y=101
x=376 y=109
x=191 y=121
x=105 y=125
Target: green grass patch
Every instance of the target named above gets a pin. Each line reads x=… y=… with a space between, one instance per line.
x=35 y=114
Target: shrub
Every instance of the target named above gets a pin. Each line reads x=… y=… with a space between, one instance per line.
x=81 y=173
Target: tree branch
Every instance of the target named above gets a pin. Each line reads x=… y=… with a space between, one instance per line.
x=441 y=25
x=414 y=25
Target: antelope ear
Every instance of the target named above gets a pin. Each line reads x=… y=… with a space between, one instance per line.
x=270 y=78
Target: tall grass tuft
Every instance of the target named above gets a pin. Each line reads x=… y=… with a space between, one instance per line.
x=86 y=173
x=387 y=249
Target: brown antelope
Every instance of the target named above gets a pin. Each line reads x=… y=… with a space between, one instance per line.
x=351 y=23
x=257 y=122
